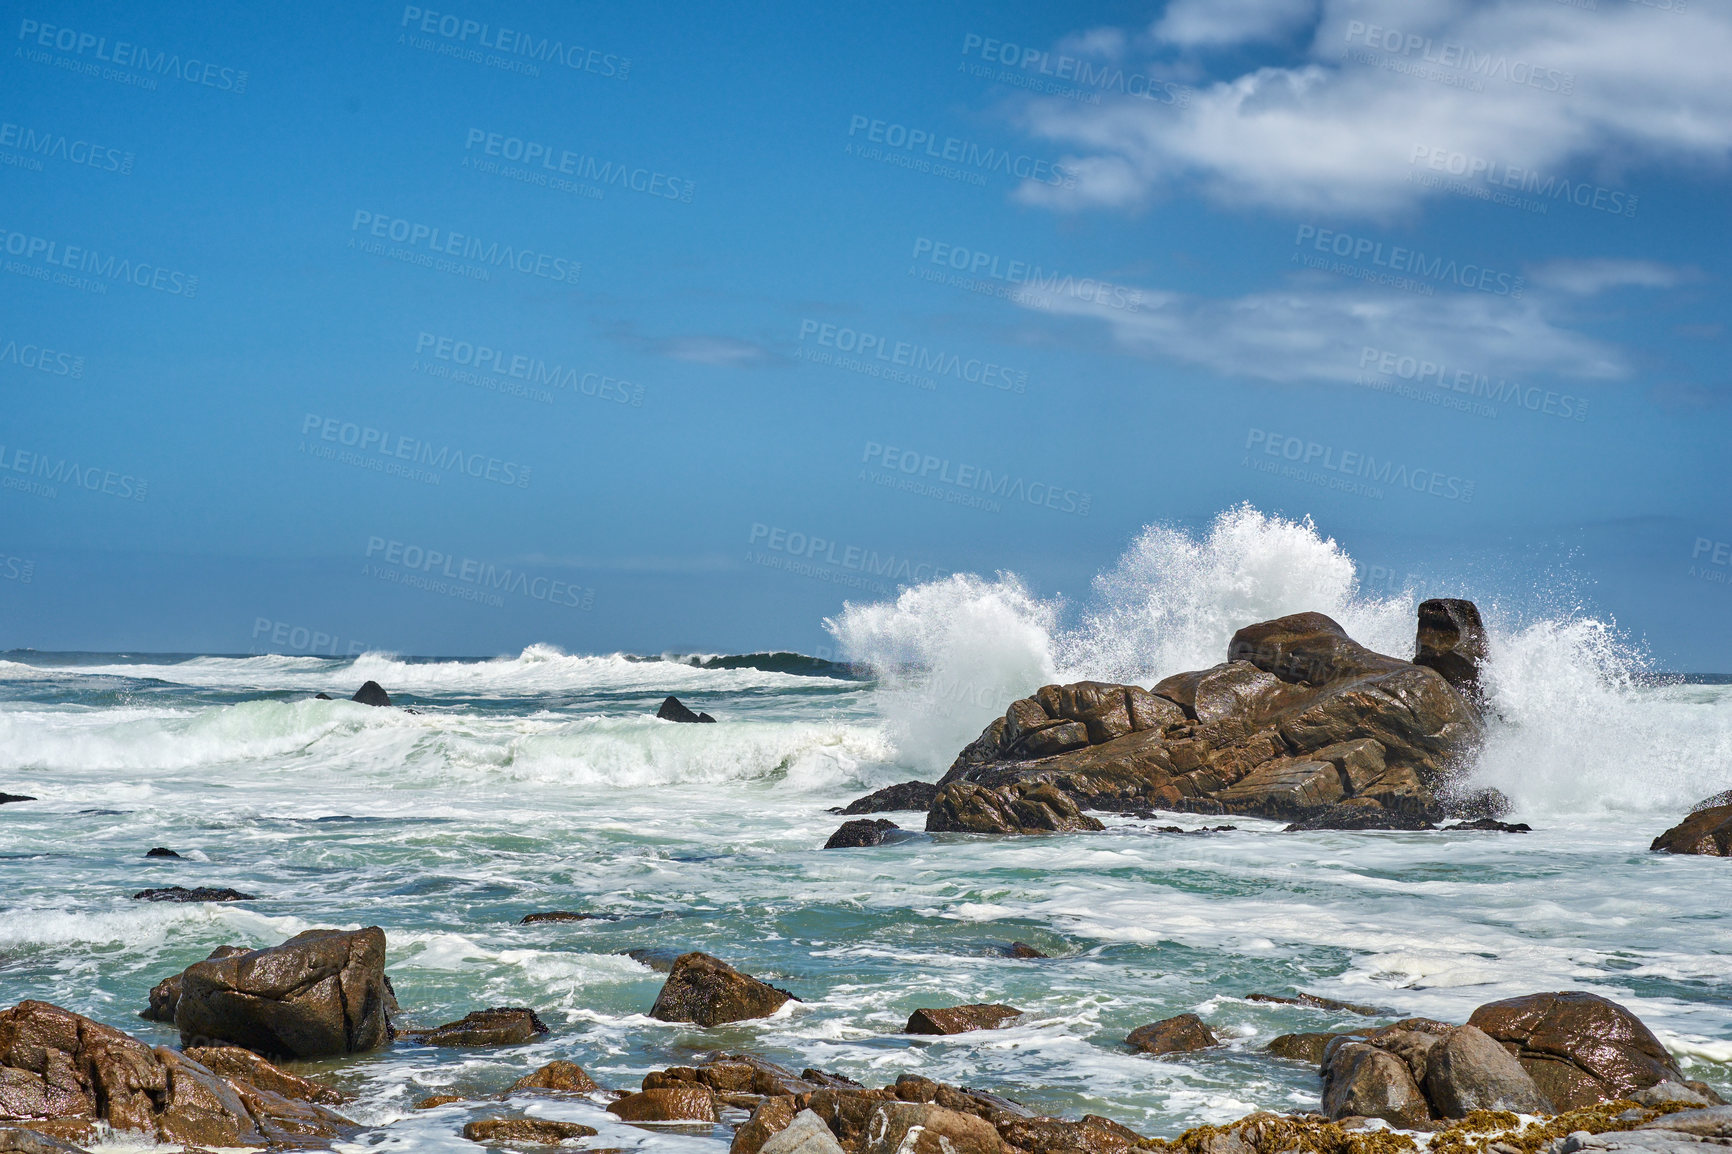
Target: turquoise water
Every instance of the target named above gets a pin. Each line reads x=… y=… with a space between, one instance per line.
x=544 y=782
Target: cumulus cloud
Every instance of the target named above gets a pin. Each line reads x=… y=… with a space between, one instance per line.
x=1590 y=277
x=1542 y=87
x=1218 y=23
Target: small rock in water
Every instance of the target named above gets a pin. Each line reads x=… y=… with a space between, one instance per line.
x=688 y=1103
x=564 y=1077
x=673 y=710
x=961 y=1019
x=860 y=832
x=199 y=894
x=908 y=795
x=499 y=1026
x=1179 y=1035
x=1314 y=1002
x=707 y=991
x=160 y=851
x=1024 y=950
x=6 y=797
x=1491 y=825
x=436 y=1101
x=559 y=916
x=1706 y=831
x=529 y=1131
x=323 y=697
x=372 y=693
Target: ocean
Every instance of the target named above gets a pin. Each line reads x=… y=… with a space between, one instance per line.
x=543 y=781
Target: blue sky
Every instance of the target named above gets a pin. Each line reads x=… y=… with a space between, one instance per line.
x=643 y=303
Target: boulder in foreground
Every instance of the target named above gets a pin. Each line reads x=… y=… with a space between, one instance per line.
x=961 y=1019
x=322 y=992
x=61 y=1074
x=1580 y=1048
x=707 y=991
x=1705 y=831
x=673 y=709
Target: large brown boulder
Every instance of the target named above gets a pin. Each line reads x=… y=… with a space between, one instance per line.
x=322 y=992
x=1366 y=1081
x=1579 y=1048
x=1178 y=1035
x=527 y=1131
x=1467 y=1070
x=556 y=1077
x=961 y=1019
x=686 y=1103
x=61 y=1074
x=1299 y=719
x=1706 y=831
x=707 y=991
x=1452 y=640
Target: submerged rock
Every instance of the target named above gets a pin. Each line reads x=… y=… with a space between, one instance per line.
x=1490 y=825
x=560 y=916
x=1026 y=951
x=527 y=1131
x=372 y=693
x=1179 y=1035
x=199 y=894
x=160 y=851
x=908 y=795
x=1314 y=1002
x=1580 y=1048
x=499 y=1026
x=961 y=1019
x=1299 y=719
x=322 y=992
x=11 y=797
x=708 y=992
x=860 y=832
x=672 y=710
x=1706 y=831
x=64 y=1074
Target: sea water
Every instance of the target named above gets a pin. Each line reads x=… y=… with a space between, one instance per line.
x=543 y=781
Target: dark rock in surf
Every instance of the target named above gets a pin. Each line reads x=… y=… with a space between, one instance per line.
x=658 y=958
x=1452 y=640
x=556 y=1077
x=372 y=693
x=1305 y=1047
x=165 y=995
x=1020 y=807
x=160 y=851
x=197 y=894
x=1724 y=797
x=1579 y=1048
x=907 y=795
x=1313 y=1002
x=1298 y=719
x=1025 y=951
x=1475 y=803
x=322 y=697
x=1180 y=1035
x=1491 y=825
x=860 y=832
x=560 y=916
x=10 y=797
x=499 y=1026
x=673 y=710
x=526 y=1131
x=1706 y=831
x=708 y=992
x=1358 y=813
x=961 y=1019
x=321 y=993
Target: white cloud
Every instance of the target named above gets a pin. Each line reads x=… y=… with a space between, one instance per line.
x=1329 y=133
x=1218 y=23
x=1589 y=277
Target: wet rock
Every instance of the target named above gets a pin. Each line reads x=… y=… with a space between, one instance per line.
x=1452 y=640
x=661 y=959
x=770 y=1117
x=1579 y=1048
x=235 y=1063
x=1474 y=803
x=1707 y=832
x=1468 y=1071
x=321 y=992
x=371 y=694
x=556 y=1077
x=707 y=991
x=199 y=894
x=919 y=1128
x=1034 y=807
x=672 y=710
x=1306 y=1048
x=6 y=798
x=434 y=1101
x=322 y=697
x=685 y=1103
x=909 y=795
x=69 y=1073
x=1358 y=813
x=805 y=1133
x=1178 y=1035
x=961 y=1019
x=165 y=995
x=1024 y=950
x=1285 y=788
x=559 y=916
x=18 y=1141
x=160 y=851
x=1314 y=1002
x=529 y=1131
x=1361 y=1080
x=1490 y=825
x=1092 y=1135
x=1724 y=797
x=497 y=1026
x=860 y=832
x=1662 y=1093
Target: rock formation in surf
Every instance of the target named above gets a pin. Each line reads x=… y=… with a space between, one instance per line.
x=1706 y=831
x=1299 y=718
x=673 y=709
